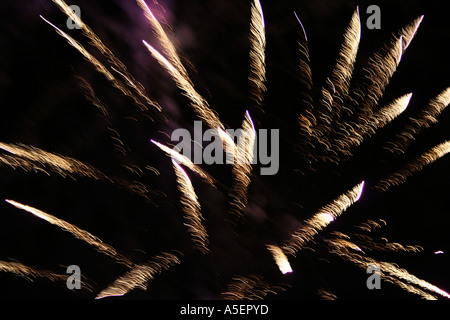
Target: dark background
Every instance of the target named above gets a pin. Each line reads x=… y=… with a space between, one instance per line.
x=42 y=105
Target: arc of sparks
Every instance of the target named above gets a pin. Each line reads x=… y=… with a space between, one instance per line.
x=337 y=86
x=139 y=276
x=257 y=75
x=31 y=158
x=191 y=208
x=185 y=161
x=391 y=111
x=166 y=44
x=389 y=271
x=242 y=166
x=120 y=68
x=399 y=177
x=78 y=233
x=378 y=120
x=422 y=121
x=31 y=273
x=322 y=218
x=383 y=66
x=343 y=70
x=380 y=70
x=307 y=120
x=59 y=163
x=198 y=103
x=97 y=64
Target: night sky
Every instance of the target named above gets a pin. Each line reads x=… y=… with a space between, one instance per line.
x=43 y=105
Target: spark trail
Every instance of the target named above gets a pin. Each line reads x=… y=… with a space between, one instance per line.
x=78 y=233
x=30 y=273
x=164 y=40
x=30 y=158
x=139 y=275
x=96 y=63
x=421 y=122
x=191 y=208
x=339 y=83
x=198 y=103
x=119 y=67
x=242 y=166
x=397 y=276
x=334 y=120
x=423 y=160
x=185 y=161
x=257 y=75
x=322 y=218
x=280 y=259
x=61 y=164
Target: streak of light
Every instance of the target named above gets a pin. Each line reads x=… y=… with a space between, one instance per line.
x=389 y=271
x=343 y=70
x=242 y=166
x=139 y=276
x=97 y=64
x=280 y=259
x=400 y=176
x=191 y=208
x=422 y=121
x=78 y=233
x=167 y=45
x=198 y=103
x=31 y=273
x=322 y=218
x=257 y=75
x=326 y=294
x=120 y=68
x=60 y=164
x=301 y=24
x=185 y=161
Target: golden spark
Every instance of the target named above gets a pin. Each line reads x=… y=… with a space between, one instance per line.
x=191 y=208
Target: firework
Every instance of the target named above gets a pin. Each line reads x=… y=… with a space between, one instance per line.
x=191 y=208
x=396 y=275
x=30 y=273
x=424 y=120
x=275 y=231
x=185 y=161
x=257 y=53
x=62 y=165
x=139 y=276
x=280 y=259
x=243 y=166
x=78 y=233
x=30 y=158
x=323 y=218
x=100 y=67
x=120 y=68
x=423 y=160
x=198 y=103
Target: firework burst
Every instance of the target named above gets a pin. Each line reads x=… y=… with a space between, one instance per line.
x=188 y=230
